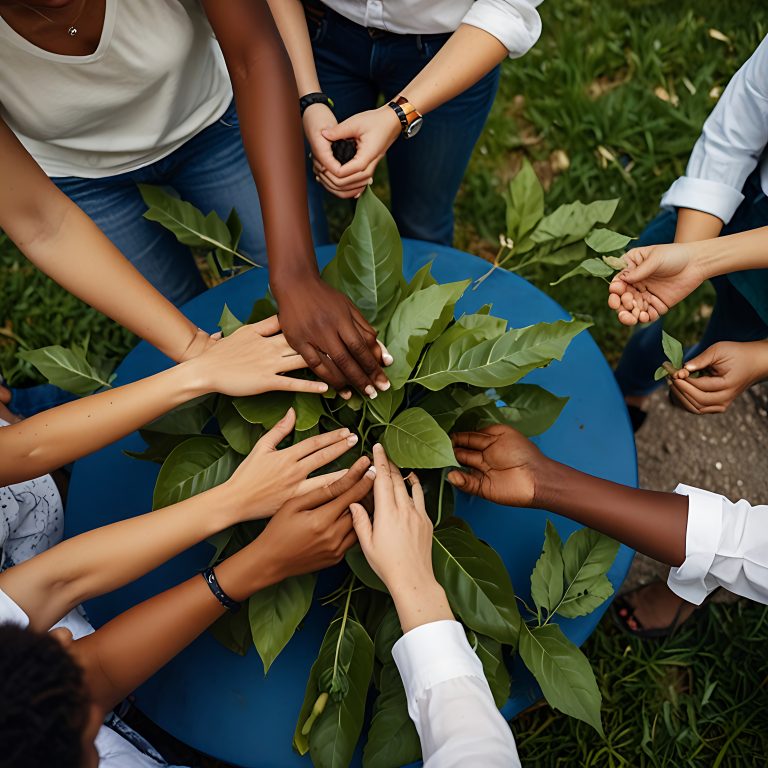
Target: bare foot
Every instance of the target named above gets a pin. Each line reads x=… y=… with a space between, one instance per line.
x=656 y=606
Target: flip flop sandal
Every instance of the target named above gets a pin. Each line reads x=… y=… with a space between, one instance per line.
x=623 y=616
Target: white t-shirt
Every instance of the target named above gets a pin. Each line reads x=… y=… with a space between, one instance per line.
x=155 y=80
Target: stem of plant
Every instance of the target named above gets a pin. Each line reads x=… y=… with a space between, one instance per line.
x=495 y=266
x=343 y=627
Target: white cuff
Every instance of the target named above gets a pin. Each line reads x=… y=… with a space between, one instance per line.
x=433 y=653
x=705 y=195
x=702 y=538
x=516 y=25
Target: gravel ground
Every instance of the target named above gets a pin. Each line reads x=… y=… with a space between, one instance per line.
x=726 y=453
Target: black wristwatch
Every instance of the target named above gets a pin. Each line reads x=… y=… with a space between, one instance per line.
x=314 y=98
x=410 y=118
x=213 y=584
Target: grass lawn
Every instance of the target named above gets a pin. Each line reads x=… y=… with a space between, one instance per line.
x=617 y=91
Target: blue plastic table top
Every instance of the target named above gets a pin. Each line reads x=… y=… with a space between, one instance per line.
x=221 y=703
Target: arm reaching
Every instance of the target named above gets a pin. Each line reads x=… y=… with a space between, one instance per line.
x=250 y=361
x=449 y=699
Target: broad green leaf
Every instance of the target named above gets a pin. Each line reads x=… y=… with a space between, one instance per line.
x=220 y=541
x=368 y=266
x=159 y=446
x=615 y=262
x=233 y=632
x=557 y=258
x=525 y=202
x=392 y=737
x=387 y=634
x=359 y=565
x=547 y=576
x=414 y=439
x=587 y=556
x=563 y=672
x=660 y=373
x=422 y=279
x=265 y=409
x=417 y=321
x=187 y=419
x=529 y=408
x=186 y=222
x=573 y=221
x=446 y=351
x=448 y=405
x=343 y=669
x=488 y=326
x=503 y=361
x=235 y=228
x=606 y=240
x=490 y=654
x=673 y=349
x=261 y=310
x=239 y=433
x=228 y=322
x=476 y=583
x=309 y=409
x=194 y=466
x=587 y=268
x=276 y=612
x=384 y=406
x=67 y=369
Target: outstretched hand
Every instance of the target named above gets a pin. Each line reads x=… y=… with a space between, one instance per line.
x=728 y=368
x=501 y=465
x=655 y=279
x=329 y=332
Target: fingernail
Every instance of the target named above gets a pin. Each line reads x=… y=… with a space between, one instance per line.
x=379 y=446
x=369 y=182
x=352 y=439
x=387 y=358
x=322 y=386
x=371 y=471
x=317 y=178
x=344 y=432
x=383 y=384
x=346 y=394
x=371 y=392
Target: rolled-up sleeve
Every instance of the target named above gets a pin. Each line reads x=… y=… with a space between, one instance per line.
x=516 y=24
x=732 y=141
x=449 y=700
x=726 y=545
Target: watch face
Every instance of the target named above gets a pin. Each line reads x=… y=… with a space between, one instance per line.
x=414 y=127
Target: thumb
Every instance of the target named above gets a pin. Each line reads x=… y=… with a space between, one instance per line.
x=279 y=432
x=464 y=481
x=641 y=265
x=336 y=132
x=363 y=527
x=704 y=360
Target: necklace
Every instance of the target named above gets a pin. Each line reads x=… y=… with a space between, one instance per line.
x=71 y=28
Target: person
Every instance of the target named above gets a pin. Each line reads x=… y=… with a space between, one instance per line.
x=709 y=541
x=57 y=687
x=141 y=92
x=449 y=699
x=658 y=277
x=437 y=66
x=723 y=192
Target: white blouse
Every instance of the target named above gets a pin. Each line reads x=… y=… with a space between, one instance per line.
x=156 y=78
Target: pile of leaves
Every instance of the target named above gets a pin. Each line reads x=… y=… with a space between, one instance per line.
x=449 y=374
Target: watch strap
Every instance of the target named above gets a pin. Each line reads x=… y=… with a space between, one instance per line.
x=405 y=112
x=210 y=579
x=314 y=98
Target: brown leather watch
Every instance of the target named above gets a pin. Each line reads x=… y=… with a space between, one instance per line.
x=410 y=118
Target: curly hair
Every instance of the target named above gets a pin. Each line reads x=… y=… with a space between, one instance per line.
x=43 y=702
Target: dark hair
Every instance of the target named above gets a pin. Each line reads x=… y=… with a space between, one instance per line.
x=43 y=702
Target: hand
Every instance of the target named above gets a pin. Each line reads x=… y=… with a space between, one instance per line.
x=329 y=332
x=317 y=118
x=251 y=361
x=374 y=132
x=314 y=531
x=502 y=465
x=269 y=478
x=398 y=545
x=656 y=278
x=198 y=344
x=730 y=367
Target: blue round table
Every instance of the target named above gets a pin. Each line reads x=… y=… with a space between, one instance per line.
x=221 y=703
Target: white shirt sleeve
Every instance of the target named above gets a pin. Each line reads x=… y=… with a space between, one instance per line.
x=449 y=700
x=726 y=545
x=516 y=24
x=732 y=140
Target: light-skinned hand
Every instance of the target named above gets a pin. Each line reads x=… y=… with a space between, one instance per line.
x=656 y=278
x=251 y=361
x=268 y=477
x=317 y=118
x=314 y=531
x=501 y=465
x=728 y=368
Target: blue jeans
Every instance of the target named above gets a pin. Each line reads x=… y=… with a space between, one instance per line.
x=27 y=401
x=355 y=68
x=210 y=171
x=733 y=317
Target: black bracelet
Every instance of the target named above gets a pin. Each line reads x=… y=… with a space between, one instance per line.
x=314 y=98
x=218 y=592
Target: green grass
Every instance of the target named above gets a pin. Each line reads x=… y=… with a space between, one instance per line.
x=698 y=699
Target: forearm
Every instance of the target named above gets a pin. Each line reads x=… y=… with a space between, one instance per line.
x=693 y=226
x=420 y=602
x=51 y=439
x=51 y=584
x=133 y=646
x=468 y=55
x=292 y=25
x=733 y=253
x=651 y=522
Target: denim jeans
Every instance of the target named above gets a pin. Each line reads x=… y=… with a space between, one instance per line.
x=355 y=68
x=734 y=318
x=210 y=171
x=27 y=401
